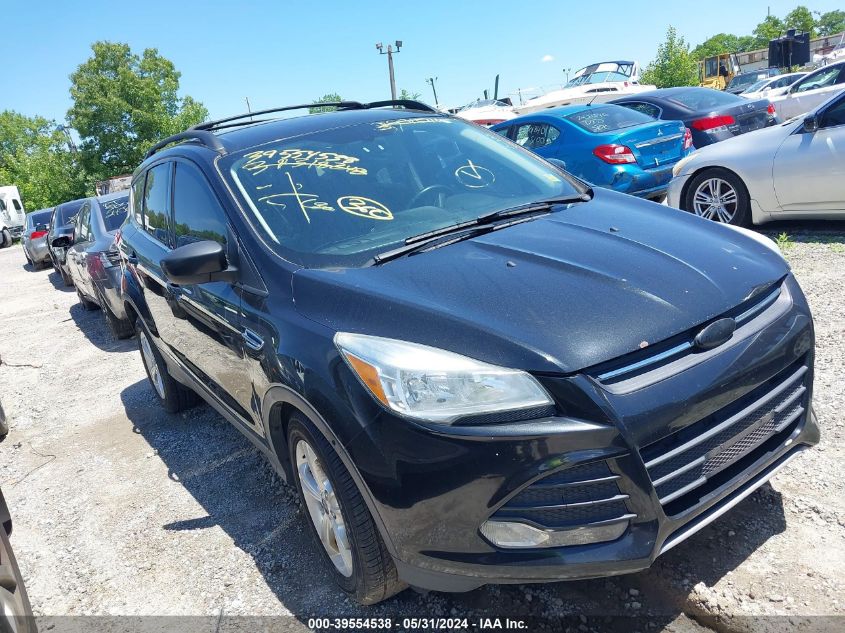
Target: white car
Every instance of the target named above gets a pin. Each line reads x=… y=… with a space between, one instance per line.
x=814 y=89
x=764 y=87
x=794 y=170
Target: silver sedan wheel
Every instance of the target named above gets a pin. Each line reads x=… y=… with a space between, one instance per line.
x=323 y=507
x=715 y=199
x=151 y=364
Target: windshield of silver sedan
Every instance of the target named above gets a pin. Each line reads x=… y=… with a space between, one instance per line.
x=336 y=197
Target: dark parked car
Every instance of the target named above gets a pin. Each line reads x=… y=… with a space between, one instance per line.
x=742 y=81
x=34 y=238
x=15 y=610
x=711 y=115
x=92 y=259
x=473 y=368
x=61 y=225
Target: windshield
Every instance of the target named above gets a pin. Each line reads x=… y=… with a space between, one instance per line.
x=67 y=211
x=608 y=118
x=600 y=73
x=482 y=103
x=336 y=198
x=114 y=212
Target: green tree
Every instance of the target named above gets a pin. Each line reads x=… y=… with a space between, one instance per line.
x=331 y=97
x=123 y=103
x=770 y=28
x=722 y=43
x=34 y=156
x=411 y=96
x=831 y=22
x=801 y=19
x=673 y=65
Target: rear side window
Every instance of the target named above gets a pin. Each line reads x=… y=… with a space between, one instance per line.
x=535 y=135
x=608 y=119
x=157 y=202
x=821 y=79
x=197 y=215
x=705 y=98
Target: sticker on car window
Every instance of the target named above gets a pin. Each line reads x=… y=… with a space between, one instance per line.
x=395 y=124
x=112 y=208
x=474 y=176
x=364 y=207
x=260 y=161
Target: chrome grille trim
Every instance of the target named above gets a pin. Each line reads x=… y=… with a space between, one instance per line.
x=683 y=468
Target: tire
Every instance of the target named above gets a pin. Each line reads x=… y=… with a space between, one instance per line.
x=725 y=185
x=372 y=575
x=67 y=279
x=119 y=329
x=174 y=396
x=6 y=240
x=87 y=305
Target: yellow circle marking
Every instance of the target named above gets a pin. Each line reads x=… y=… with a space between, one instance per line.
x=364 y=207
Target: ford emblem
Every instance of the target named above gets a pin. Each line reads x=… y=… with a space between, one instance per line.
x=715 y=334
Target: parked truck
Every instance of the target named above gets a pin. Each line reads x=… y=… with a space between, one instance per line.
x=12 y=215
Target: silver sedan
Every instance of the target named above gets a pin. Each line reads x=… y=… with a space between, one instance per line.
x=790 y=171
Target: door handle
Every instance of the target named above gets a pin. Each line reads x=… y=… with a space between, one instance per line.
x=252 y=340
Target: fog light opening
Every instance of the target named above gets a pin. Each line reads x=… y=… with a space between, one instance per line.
x=513 y=534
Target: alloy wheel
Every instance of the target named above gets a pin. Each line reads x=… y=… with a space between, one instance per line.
x=323 y=507
x=715 y=199
x=151 y=364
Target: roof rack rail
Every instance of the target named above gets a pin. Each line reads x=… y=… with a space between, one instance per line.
x=340 y=105
x=206 y=138
x=203 y=132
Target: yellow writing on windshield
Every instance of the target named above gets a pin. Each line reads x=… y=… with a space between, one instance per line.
x=305 y=201
x=399 y=123
x=260 y=161
x=364 y=207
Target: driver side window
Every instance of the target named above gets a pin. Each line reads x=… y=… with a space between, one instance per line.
x=834 y=115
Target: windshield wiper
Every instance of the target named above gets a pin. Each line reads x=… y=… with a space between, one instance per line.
x=472 y=228
x=531 y=207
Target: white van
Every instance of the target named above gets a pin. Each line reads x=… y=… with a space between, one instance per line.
x=12 y=215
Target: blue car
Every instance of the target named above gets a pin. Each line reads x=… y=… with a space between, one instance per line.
x=606 y=145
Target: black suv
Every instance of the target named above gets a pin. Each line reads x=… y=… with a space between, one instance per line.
x=473 y=367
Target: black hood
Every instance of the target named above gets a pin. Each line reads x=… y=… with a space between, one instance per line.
x=566 y=291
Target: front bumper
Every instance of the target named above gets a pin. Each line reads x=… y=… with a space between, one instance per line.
x=433 y=487
x=674 y=193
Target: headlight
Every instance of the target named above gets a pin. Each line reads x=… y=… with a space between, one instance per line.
x=432 y=384
x=681 y=164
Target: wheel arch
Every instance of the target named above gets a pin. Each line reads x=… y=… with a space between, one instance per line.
x=279 y=405
x=692 y=176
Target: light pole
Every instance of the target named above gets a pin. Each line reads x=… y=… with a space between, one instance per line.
x=430 y=81
x=389 y=52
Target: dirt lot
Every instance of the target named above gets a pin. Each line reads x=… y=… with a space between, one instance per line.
x=123 y=509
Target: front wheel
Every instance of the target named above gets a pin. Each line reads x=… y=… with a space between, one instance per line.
x=5 y=238
x=340 y=522
x=719 y=195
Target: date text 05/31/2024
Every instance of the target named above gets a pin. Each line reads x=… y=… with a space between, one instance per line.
x=418 y=624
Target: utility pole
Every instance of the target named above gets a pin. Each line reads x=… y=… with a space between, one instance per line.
x=430 y=81
x=389 y=52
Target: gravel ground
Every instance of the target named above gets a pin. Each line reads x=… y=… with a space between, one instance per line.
x=123 y=509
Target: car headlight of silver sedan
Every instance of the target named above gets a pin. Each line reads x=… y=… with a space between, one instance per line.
x=436 y=385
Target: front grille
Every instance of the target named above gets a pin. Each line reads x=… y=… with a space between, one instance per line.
x=687 y=459
x=576 y=496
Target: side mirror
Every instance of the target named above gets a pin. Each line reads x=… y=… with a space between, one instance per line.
x=62 y=241
x=197 y=263
x=811 y=124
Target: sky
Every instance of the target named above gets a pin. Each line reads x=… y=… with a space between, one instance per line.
x=285 y=52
